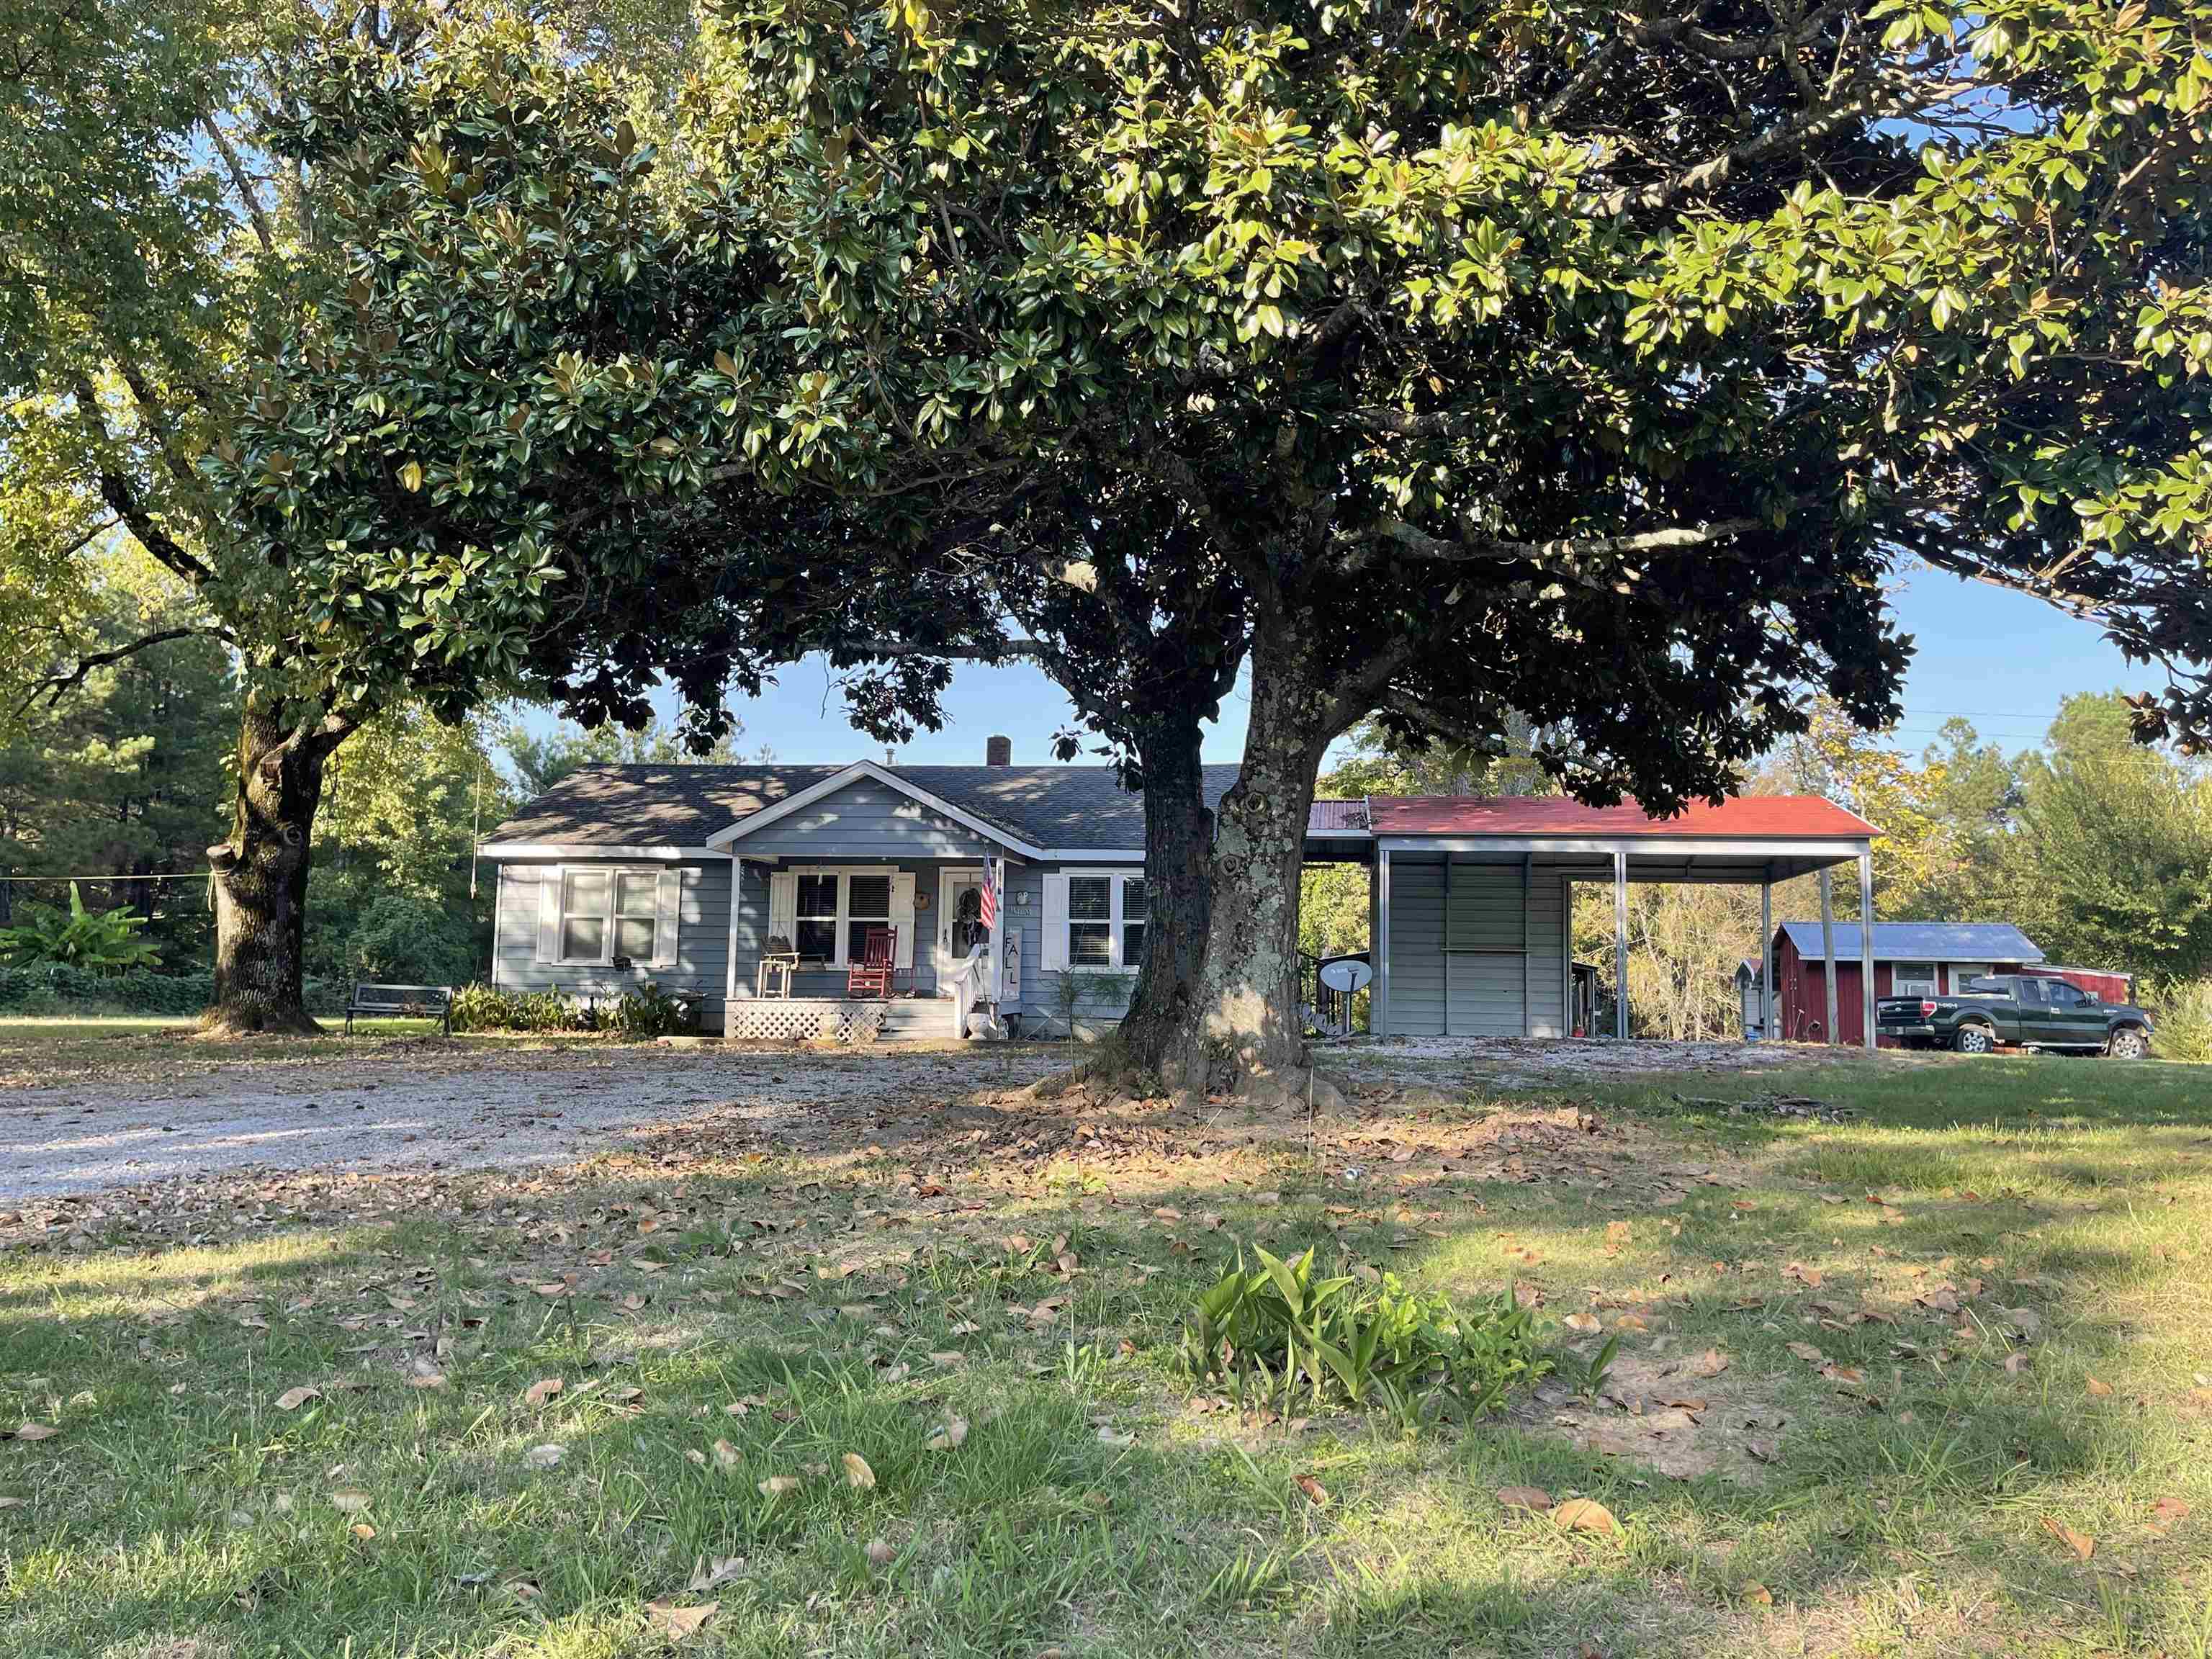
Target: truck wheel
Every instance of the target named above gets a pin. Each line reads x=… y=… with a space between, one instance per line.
x=2128 y=1042
x=1974 y=1038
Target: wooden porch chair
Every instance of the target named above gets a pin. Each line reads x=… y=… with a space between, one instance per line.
x=777 y=964
x=871 y=976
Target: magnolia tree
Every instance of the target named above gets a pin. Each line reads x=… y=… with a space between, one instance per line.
x=1432 y=363
x=158 y=247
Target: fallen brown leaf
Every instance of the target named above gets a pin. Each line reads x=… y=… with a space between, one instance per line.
x=776 y=1484
x=950 y=1436
x=1711 y=1363
x=1585 y=1515
x=676 y=1622
x=2100 y=1387
x=1316 y=1492
x=292 y=1398
x=35 y=1432
x=2080 y=1543
x=1524 y=1498
x=710 y=1571
x=542 y=1390
x=857 y=1472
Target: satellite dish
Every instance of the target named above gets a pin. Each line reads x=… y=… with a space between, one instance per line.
x=1346 y=973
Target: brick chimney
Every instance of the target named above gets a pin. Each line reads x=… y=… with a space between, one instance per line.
x=998 y=752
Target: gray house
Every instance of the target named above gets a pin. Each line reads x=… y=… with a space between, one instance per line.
x=683 y=875
x=623 y=874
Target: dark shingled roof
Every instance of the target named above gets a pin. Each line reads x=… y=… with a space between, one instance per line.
x=682 y=806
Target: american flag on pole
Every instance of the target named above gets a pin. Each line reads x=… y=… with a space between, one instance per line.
x=989 y=913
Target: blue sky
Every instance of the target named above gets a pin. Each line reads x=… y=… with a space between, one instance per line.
x=2003 y=659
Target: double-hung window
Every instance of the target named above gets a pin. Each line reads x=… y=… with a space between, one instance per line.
x=1103 y=919
x=867 y=904
x=1132 y=920
x=1090 y=921
x=829 y=913
x=609 y=914
x=818 y=917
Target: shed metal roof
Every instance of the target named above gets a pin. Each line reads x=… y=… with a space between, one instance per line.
x=1741 y=817
x=1920 y=941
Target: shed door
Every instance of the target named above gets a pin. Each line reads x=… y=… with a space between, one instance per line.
x=1486 y=951
x=1484 y=998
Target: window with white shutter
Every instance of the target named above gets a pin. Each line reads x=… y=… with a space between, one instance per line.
x=1094 y=921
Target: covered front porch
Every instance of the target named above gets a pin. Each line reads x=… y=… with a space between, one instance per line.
x=805 y=939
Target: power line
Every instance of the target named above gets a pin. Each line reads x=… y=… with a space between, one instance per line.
x=110 y=875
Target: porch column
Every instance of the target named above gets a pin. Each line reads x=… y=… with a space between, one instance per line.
x=730 y=978
x=1620 y=946
x=1866 y=950
x=997 y=877
x=1378 y=990
x=1766 y=956
x=1828 y=949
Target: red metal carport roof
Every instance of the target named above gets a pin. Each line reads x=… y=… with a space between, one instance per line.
x=1742 y=816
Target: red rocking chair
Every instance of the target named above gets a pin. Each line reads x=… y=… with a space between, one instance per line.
x=871 y=976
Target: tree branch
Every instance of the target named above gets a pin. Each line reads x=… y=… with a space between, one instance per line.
x=1565 y=558
x=241 y=182
x=1426 y=716
x=54 y=685
x=1889 y=97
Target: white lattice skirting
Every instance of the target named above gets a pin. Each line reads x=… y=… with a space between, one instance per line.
x=775 y=1019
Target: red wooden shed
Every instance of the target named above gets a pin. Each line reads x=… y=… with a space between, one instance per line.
x=1929 y=956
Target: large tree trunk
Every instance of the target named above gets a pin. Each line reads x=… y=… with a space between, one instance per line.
x=1178 y=892
x=1243 y=1032
x=261 y=874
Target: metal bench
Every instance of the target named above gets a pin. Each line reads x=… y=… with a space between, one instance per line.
x=402 y=1002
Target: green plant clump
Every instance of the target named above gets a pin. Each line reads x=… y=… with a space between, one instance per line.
x=648 y=1011
x=1277 y=1331
x=2182 y=1010
x=96 y=941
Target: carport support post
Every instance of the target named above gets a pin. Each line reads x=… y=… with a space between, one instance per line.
x=1865 y=949
x=1828 y=949
x=1620 y=946
x=1767 y=957
x=1378 y=995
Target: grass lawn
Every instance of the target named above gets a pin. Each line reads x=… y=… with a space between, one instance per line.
x=1933 y=1379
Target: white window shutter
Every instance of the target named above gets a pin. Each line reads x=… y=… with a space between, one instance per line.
x=902 y=915
x=783 y=906
x=1054 y=958
x=669 y=896
x=549 y=913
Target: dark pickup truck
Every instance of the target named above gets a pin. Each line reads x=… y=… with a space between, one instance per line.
x=2019 y=1011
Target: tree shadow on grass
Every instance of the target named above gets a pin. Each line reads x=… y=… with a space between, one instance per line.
x=1035 y=1531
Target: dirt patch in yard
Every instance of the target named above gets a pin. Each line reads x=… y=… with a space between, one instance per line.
x=1669 y=1411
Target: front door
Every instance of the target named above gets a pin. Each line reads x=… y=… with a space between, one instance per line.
x=959 y=921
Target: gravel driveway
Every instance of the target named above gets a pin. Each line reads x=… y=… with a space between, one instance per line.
x=434 y=1108
x=184 y=1110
